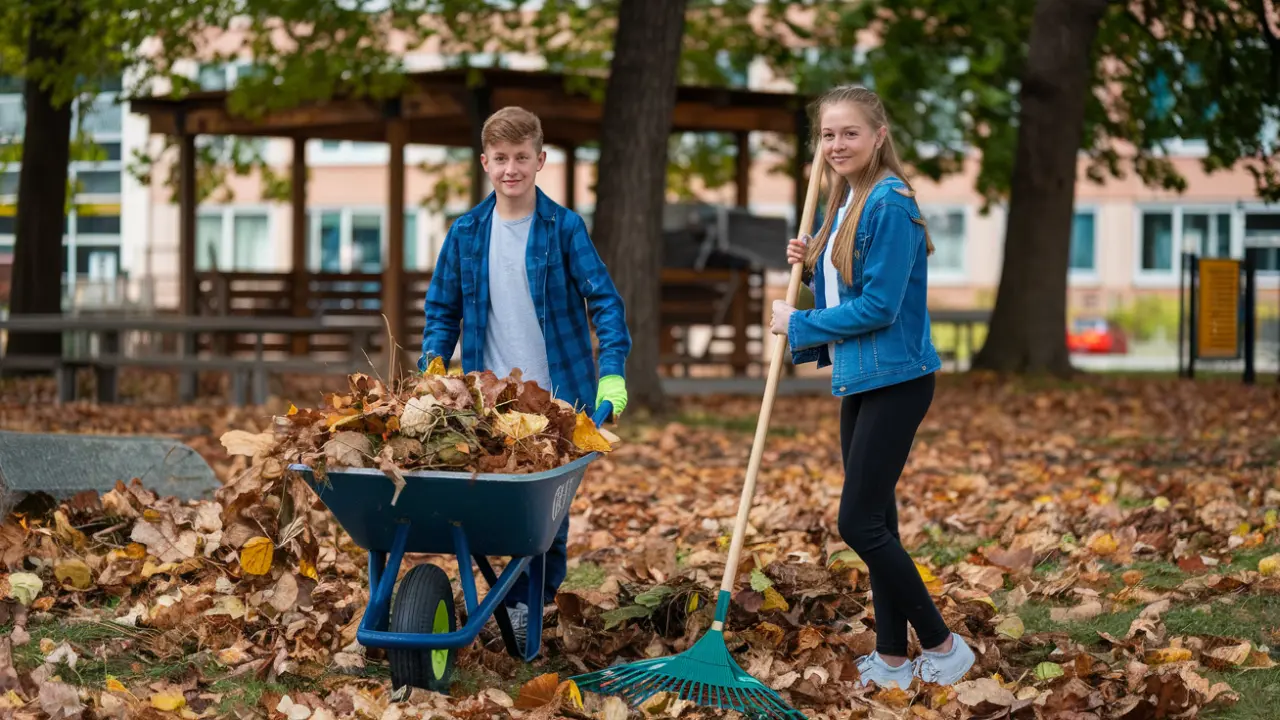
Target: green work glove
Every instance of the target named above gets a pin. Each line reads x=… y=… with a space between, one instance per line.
x=613 y=389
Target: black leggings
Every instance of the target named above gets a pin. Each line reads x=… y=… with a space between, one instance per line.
x=876 y=431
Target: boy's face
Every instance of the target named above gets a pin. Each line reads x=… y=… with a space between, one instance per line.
x=513 y=167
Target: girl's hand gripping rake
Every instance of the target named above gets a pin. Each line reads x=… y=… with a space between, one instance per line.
x=706 y=673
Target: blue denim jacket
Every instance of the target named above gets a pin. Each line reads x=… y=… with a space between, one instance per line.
x=881 y=326
x=568 y=281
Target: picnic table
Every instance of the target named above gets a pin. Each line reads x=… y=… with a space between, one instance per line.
x=102 y=342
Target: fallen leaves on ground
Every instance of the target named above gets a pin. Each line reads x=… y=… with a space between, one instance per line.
x=1014 y=497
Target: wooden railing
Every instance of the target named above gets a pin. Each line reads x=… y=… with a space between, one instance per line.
x=727 y=303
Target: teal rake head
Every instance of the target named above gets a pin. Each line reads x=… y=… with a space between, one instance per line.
x=705 y=674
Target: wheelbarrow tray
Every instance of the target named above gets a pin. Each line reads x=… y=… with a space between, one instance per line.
x=501 y=514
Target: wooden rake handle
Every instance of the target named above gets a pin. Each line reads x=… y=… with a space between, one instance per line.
x=771 y=385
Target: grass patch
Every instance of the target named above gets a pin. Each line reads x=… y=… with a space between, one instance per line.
x=246 y=692
x=1259 y=693
x=586 y=576
x=952 y=552
x=732 y=424
x=1036 y=618
x=91 y=670
x=1251 y=618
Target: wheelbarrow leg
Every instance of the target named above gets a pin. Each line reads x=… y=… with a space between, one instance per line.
x=378 y=614
x=466 y=578
x=533 y=634
x=500 y=612
x=377 y=565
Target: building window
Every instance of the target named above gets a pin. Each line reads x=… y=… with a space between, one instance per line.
x=9 y=183
x=230 y=240
x=411 y=259
x=366 y=242
x=97 y=224
x=1264 y=229
x=946 y=229
x=98 y=182
x=1157 y=242
x=7 y=224
x=101 y=116
x=1083 y=243
x=1206 y=233
x=13 y=117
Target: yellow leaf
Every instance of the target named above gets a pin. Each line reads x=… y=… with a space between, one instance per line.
x=293 y=409
x=114 y=685
x=773 y=600
x=1167 y=655
x=693 y=603
x=1011 y=627
x=569 y=691
x=168 y=701
x=436 y=366
x=1271 y=520
x=587 y=437
x=1161 y=503
x=305 y=567
x=1269 y=565
x=74 y=573
x=1242 y=529
x=255 y=555
x=518 y=425
x=931 y=581
x=1104 y=544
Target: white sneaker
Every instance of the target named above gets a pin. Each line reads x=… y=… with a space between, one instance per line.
x=945 y=668
x=873 y=668
x=519 y=622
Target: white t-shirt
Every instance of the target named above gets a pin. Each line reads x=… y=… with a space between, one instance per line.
x=513 y=338
x=831 y=278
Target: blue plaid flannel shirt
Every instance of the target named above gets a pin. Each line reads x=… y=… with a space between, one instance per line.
x=567 y=279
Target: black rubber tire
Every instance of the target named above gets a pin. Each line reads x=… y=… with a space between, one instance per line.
x=413 y=610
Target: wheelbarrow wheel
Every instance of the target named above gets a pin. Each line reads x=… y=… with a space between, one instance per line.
x=423 y=604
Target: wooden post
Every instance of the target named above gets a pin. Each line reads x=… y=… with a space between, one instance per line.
x=188 y=292
x=479 y=107
x=393 y=304
x=571 y=176
x=743 y=167
x=741 y=289
x=298 y=204
x=797 y=169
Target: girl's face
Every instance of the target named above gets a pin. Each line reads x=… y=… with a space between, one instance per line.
x=849 y=140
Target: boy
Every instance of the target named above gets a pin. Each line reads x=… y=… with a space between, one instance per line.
x=520 y=274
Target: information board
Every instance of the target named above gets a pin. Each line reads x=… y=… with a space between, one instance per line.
x=1218 y=309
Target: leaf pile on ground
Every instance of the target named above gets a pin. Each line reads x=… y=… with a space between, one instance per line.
x=1110 y=550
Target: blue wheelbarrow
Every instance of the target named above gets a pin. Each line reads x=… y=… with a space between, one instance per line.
x=474 y=516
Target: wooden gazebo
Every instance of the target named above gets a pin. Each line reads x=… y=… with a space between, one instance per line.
x=444 y=108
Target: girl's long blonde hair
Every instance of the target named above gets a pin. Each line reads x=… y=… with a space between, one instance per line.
x=886 y=157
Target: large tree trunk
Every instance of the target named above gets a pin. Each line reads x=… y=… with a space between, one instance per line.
x=1029 y=324
x=632 y=184
x=42 y=192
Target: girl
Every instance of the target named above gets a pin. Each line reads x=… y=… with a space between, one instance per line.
x=868 y=273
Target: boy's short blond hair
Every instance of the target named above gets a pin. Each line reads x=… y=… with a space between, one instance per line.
x=514 y=125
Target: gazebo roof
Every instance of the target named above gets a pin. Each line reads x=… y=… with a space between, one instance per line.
x=440 y=106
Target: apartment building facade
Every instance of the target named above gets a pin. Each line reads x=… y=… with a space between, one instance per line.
x=1127 y=239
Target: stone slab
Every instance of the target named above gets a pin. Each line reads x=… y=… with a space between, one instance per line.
x=63 y=465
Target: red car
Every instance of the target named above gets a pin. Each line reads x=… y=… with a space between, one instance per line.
x=1097 y=336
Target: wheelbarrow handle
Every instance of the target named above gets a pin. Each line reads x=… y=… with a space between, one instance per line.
x=602 y=413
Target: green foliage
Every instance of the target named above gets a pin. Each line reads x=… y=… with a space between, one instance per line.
x=1163 y=70
x=1148 y=317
